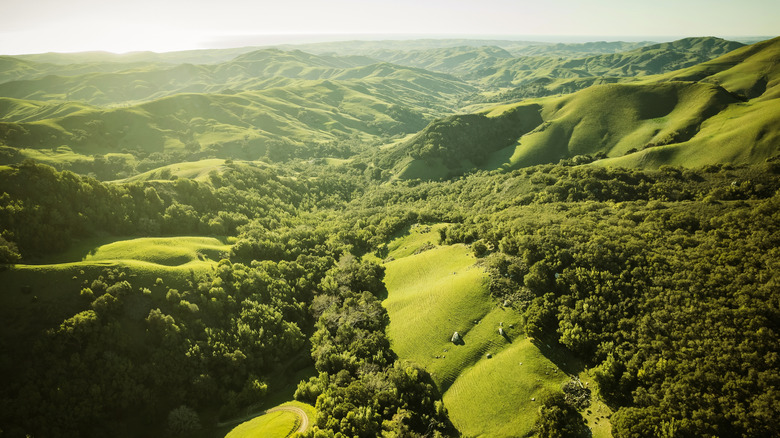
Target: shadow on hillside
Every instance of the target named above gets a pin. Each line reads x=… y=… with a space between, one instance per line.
x=77 y=252
x=559 y=355
x=506 y=337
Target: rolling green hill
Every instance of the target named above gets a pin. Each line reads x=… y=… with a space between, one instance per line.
x=148 y=82
x=434 y=291
x=14 y=68
x=697 y=116
x=256 y=237
x=370 y=101
x=393 y=49
x=750 y=72
x=654 y=59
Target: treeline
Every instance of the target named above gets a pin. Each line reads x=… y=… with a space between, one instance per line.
x=665 y=282
x=670 y=294
x=135 y=355
x=362 y=390
x=44 y=211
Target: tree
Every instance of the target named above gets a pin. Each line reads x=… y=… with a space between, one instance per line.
x=183 y=420
x=9 y=253
x=558 y=419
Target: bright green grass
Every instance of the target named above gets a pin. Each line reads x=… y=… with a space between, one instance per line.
x=499 y=397
x=167 y=251
x=337 y=161
x=59 y=155
x=431 y=295
x=740 y=134
x=442 y=290
x=612 y=119
x=280 y=424
x=275 y=424
x=418 y=237
x=418 y=168
x=173 y=258
x=197 y=170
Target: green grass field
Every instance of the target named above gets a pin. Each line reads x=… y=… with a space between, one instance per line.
x=55 y=282
x=165 y=251
x=441 y=290
x=197 y=170
x=500 y=396
x=279 y=424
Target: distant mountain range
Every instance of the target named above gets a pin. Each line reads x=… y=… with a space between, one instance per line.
x=688 y=102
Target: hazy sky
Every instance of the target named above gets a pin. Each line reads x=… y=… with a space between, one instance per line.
x=31 y=26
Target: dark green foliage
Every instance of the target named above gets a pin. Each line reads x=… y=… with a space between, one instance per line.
x=559 y=419
x=361 y=389
x=462 y=142
x=663 y=281
x=9 y=253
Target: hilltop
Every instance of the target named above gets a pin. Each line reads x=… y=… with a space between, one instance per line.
x=723 y=110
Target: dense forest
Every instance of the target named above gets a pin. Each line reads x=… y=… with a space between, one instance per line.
x=661 y=280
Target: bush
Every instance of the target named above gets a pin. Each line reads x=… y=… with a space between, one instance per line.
x=183 y=420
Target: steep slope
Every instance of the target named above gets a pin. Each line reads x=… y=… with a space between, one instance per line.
x=614 y=119
x=655 y=59
x=697 y=116
x=750 y=72
x=746 y=132
x=458 y=143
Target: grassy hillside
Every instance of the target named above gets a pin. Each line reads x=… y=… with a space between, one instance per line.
x=500 y=397
x=750 y=72
x=195 y=170
x=252 y=71
x=377 y=101
x=146 y=82
x=694 y=117
x=278 y=424
x=616 y=119
x=647 y=60
x=458 y=143
x=434 y=291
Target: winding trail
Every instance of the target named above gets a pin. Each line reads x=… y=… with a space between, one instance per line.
x=298 y=411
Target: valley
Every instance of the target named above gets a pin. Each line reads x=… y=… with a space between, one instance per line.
x=191 y=239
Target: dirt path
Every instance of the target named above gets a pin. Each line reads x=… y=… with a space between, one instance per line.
x=300 y=412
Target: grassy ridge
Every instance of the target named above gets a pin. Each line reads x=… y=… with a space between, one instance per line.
x=614 y=119
x=750 y=72
x=509 y=386
x=434 y=291
x=245 y=124
x=196 y=170
x=724 y=110
x=648 y=60
x=168 y=251
x=252 y=71
x=279 y=424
